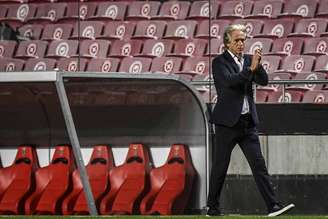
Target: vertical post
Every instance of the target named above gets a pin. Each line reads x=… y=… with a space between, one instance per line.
x=66 y=110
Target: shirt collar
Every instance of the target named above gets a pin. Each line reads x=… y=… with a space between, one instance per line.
x=236 y=58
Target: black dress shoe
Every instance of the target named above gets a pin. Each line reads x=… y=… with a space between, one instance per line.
x=279 y=209
x=213 y=212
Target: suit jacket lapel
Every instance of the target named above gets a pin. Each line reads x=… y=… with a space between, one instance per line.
x=231 y=60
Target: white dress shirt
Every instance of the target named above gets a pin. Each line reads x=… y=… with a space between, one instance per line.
x=240 y=63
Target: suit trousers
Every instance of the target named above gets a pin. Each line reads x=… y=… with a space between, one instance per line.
x=244 y=134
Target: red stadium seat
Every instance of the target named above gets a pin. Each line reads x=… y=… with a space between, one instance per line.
x=309 y=27
x=62 y=48
x=156 y=48
x=216 y=30
x=9 y=64
x=18 y=14
x=253 y=26
x=173 y=10
x=79 y=11
x=7 y=48
x=87 y=30
x=261 y=96
x=180 y=29
x=128 y=183
x=125 y=48
x=166 y=65
x=308 y=77
x=204 y=9
x=31 y=49
x=316 y=46
x=150 y=29
x=110 y=10
x=297 y=64
x=266 y=9
x=317 y=96
x=171 y=184
x=276 y=28
x=93 y=49
x=252 y=44
x=142 y=10
x=72 y=64
x=135 y=65
x=195 y=66
x=52 y=183
x=118 y=30
x=271 y=63
x=189 y=48
x=275 y=77
x=299 y=8
x=17 y=180
x=103 y=65
x=31 y=31
x=40 y=65
x=57 y=32
x=215 y=47
x=48 y=12
x=3 y=12
x=287 y=46
x=235 y=9
x=321 y=64
x=290 y=97
x=98 y=168
x=322 y=9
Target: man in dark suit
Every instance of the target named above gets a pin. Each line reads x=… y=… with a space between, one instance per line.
x=235 y=119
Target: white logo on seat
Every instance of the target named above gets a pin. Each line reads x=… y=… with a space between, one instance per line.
x=205 y=10
x=303 y=10
x=299 y=65
x=31 y=49
x=40 y=66
x=126 y=49
x=10 y=66
x=89 y=32
x=215 y=28
x=145 y=9
x=52 y=14
x=311 y=77
x=278 y=30
x=321 y=47
x=181 y=31
x=175 y=9
x=2 y=50
x=111 y=11
x=267 y=10
x=120 y=31
x=72 y=66
x=288 y=98
x=249 y=28
x=22 y=12
x=255 y=46
x=94 y=49
x=239 y=9
x=312 y=28
x=158 y=49
x=288 y=47
x=62 y=49
x=135 y=67
x=168 y=66
x=106 y=66
x=190 y=48
x=58 y=33
x=28 y=33
x=151 y=30
x=320 y=98
x=83 y=11
x=200 y=67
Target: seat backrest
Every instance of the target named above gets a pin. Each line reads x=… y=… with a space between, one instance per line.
x=215 y=47
x=236 y=8
x=150 y=29
x=82 y=9
x=203 y=9
x=321 y=64
x=27 y=154
x=314 y=26
x=270 y=8
x=135 y=65
x=63 y=154
x=309 y=77
x=94 y=48
x=53 y=11
x=31 y=49
x=10 y=64
x=303 y=8
x=322 y=8
x=181 y=29
x=157 y=48
x=278 y=27
x=62 y=48
x=88 y=29
x=198 y=65
x=143 y=9
x=216 y=29
x=288 y=46
x=31 y=31
x=256 y=43
x=57 y=31
x=253 y=26
x=71 y=64
x=316 y=46
x=317 y=96
x=21 y=12
x=119 y=30
x=103 y=65
x=40 y=64
x=298 y=63
x=271 y=63
x=7 y=48
x=177 y=10
x=290 y=97
x=168 y=65
x=190 y=47
x=114 y=10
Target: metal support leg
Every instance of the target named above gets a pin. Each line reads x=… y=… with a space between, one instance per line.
x=75 y=144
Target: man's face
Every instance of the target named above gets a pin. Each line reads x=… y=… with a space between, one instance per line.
x=237 y=43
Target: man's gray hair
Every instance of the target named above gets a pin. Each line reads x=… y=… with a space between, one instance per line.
x=229 y=30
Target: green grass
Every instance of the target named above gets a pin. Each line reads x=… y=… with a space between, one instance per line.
x=164 y=217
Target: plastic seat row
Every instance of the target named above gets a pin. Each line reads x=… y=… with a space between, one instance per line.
x=172 y=9
x=130 y=188
x=292 y=96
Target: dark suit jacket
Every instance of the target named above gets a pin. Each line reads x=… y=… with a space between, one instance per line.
x=232 y=85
